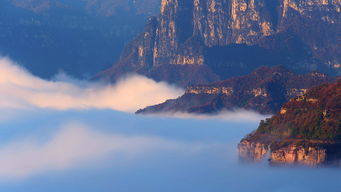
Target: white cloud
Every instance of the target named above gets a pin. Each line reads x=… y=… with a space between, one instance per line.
x=20 y=89
x=75 y=144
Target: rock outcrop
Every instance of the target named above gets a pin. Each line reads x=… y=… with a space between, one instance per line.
x=252 y=151
x=265 y=91
x=306 y=131
x=307 y=153
x=233 y=37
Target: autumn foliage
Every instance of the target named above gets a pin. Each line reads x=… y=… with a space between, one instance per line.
x=315 y=115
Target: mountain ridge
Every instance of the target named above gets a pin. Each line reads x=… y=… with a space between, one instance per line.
x=267 y=32
x=264 y=91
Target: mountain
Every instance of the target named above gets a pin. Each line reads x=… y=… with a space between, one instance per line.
x=265 y=91
x=80 y=37
x=307 y=130
x=99 y=7
x=229 y=38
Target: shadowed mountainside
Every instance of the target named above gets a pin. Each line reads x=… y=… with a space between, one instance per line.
x=80 y=37
x=265 y=91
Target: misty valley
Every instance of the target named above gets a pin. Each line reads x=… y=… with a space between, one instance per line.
x=105 y=150
x=170 y=95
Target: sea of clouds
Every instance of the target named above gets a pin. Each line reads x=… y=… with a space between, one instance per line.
x=73 y=144
x=20 y=89
x=25 y=96
x=72 y=135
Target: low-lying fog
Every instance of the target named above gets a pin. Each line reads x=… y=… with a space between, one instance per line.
x=67 y=135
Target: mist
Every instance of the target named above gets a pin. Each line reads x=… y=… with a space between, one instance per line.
x=237 y=115
x=73 y=144
x=20 y=89
x=106 y=150
x=72 y=135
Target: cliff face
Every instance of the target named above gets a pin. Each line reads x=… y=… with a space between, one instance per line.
x=252 y=151
x=303 y=35
x=307 y=130
x=265 y=91
x=299 y=154
x=310 y=154
x=222 y=22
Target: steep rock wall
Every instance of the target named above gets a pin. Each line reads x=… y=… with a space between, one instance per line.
x=303 y=35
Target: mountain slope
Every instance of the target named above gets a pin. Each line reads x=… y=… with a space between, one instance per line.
x=315 y=115
x=99 y=7
x=307 y=130
x=79 y=37
x=235 y=37
x=265 y=91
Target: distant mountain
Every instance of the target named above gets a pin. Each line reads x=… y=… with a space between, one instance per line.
x=306 y=130
x=229 y=38
x=265 y=91
x=80 y=37
x=99 y=7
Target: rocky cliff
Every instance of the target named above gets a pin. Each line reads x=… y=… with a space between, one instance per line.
x=307 y=130
x=308 y=153
x=233 y=37
x=265 y=91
